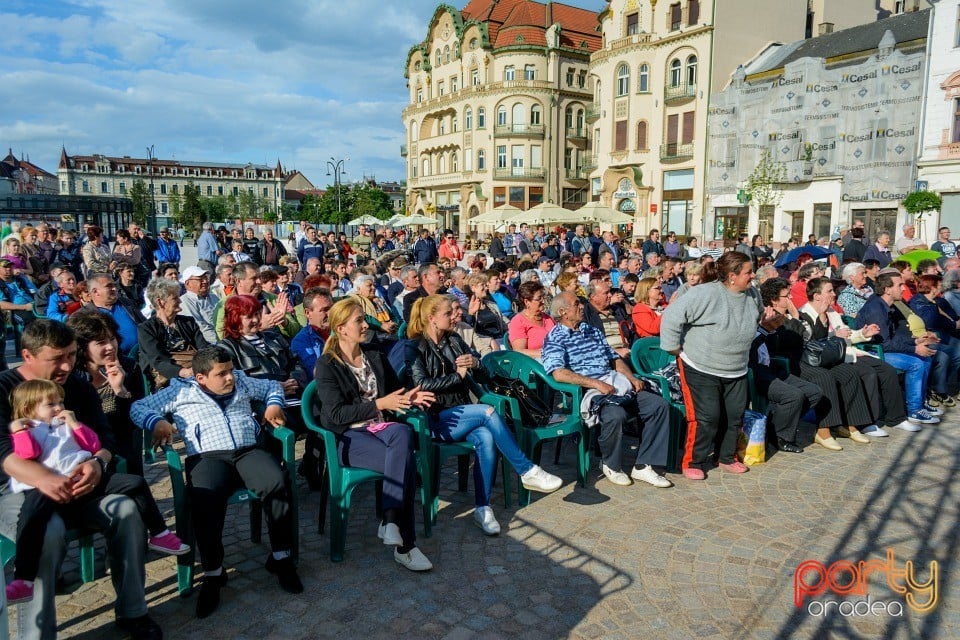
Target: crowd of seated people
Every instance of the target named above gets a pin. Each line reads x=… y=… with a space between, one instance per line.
x=228 y=346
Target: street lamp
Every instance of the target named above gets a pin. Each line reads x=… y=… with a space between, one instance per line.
x=152 y=222
x=336 y=166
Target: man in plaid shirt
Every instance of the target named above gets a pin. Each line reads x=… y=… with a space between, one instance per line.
x=213 y=414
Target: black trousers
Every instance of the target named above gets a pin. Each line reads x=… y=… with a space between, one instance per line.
x=653 y=414
x=214 y=476
x=843 y=387
x=788 y=400
x=37 y=510
x=715 y=409
x=887 y=403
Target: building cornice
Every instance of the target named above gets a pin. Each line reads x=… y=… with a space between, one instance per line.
x=506 y=87
x=645 y=42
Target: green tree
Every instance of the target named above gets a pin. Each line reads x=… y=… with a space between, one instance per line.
x=191 y=211
x=140 y=196
x=311 y=208
x=918 y=203
x=369 y=200
x=763 y=183
x=175 y=205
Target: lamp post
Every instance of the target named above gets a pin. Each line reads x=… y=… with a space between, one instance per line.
x=336 y=166
x=152 y=222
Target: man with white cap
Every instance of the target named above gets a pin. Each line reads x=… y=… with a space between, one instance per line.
x=198 y=302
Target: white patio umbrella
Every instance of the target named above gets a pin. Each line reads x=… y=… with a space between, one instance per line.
x=499 y=215
x=597 y=212
x=365 y=219
x=549 y=213
x=416 y=220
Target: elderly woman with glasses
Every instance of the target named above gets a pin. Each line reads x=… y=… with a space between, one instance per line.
x=530 y=326
x=375 y=309
x=168 y=341
x=648 y=309
x=855 y=294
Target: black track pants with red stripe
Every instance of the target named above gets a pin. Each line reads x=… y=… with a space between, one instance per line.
x=715 y=408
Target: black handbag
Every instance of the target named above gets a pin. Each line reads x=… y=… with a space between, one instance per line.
x=825 y=352
x=534 y=412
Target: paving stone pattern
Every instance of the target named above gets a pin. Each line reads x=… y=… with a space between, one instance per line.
x=714 y=559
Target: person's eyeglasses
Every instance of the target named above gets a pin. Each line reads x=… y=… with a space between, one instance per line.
x=655 y=288
x=785 y=295
x=540 y=299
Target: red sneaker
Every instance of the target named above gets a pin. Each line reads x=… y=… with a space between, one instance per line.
x=692 y=473
x=19 y=591
x=734 y=467
x=168 y=543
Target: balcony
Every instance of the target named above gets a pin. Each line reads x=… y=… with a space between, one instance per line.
x=519 y=173
x=403 y=151
x=589 y=163
x=677 y=93
x=675 y=151
x=577 y=174
x=518 y=130
x=593 y=112
x=577 y=134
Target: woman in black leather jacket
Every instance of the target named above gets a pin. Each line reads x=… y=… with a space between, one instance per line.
x=441 y=362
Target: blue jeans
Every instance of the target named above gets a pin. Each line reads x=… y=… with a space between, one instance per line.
x=946 y=364
x=917 y=370
x=480 y=425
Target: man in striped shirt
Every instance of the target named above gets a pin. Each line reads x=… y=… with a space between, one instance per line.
x=575 y=352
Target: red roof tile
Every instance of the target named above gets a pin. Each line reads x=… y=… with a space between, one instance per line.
x=506 y=19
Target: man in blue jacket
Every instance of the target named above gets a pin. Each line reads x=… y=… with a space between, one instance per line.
x=425 y=250
x=310 y=247
x=167 y=248
x=901 y=349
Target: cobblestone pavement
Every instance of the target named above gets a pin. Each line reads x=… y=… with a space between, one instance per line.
x=711 y=560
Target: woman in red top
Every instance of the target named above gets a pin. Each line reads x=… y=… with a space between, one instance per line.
x=648 y=308
x=449 y=247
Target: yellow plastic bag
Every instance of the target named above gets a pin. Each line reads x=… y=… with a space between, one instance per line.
x=752 y=441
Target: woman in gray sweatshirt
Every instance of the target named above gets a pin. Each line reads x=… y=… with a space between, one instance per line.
x=711 y=328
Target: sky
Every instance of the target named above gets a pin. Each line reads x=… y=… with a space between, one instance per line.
x=212 y=80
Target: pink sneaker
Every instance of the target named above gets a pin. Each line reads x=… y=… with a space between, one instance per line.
x=734 y=467
x=19 y=591
x=168 y=543
x=692 y=473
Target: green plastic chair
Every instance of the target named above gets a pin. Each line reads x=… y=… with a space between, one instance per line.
x=517 y=366
x=149 y=452
x=341 y=480
x=646 y=357
x=185 y=563
x=877 y=349
x=8 y=547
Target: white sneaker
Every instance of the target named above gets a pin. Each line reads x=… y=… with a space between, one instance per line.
x=483 y=517
x=874 y=431
x=934 y=411
x=390 y=534
x=908 y=425
x=539 y=480
x=649 y=475
x=616 y=477
x=413 y=560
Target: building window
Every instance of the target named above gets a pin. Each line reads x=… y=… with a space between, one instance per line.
x=675 y=16
x=675 y=72
x=468 y=118
x=176 y=189
x=620 y=136
x=689 y=122
x=899 y=6
x=643 y=78
x=569 y=76
x=85 y=187
x=426 y=167
x=642 y=135
x=535 y=114
x=475 y=77
x=473 y=43
x=956 y=120
x=454 y=123
x=419 y=95
x=163 y=208
x=163 y=189
x=501 y=156
x=529 y=72
x=123 y=187
x=454 y=84
x=454 y=162
x=956 y=39
x=442 y=164
x=501 y=116
x=103 y=187
x=633 y=24
x=693 y=12
x=265 y=192
x=236 y=191
x=623 y=80
x=440 y=89
x=821 y=219
x=481 y=160
x=446 y=54
x=468 y=159
x=220 y=190
x=441 y=126
x=692 y=71
x=509 y=73
x=568 y=158
x=481 y=118
x=582 y=79
x=209 y=190
x=568 y=118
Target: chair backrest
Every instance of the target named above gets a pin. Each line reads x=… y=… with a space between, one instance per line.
x=850 y=321
x=646 y=356
x=309 y=409
x=513 y=365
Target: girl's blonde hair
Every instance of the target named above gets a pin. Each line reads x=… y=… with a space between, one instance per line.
x=422 y=310
x=27 y=395
x=339 y=314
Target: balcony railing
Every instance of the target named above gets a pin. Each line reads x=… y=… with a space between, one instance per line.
x=589 y=162
x=675 y=151
x=576 y=174
x=519 y=173
x=533 y=130
x=403 y=151
x=576 y=133
x=674 y=93
x=593 y=112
